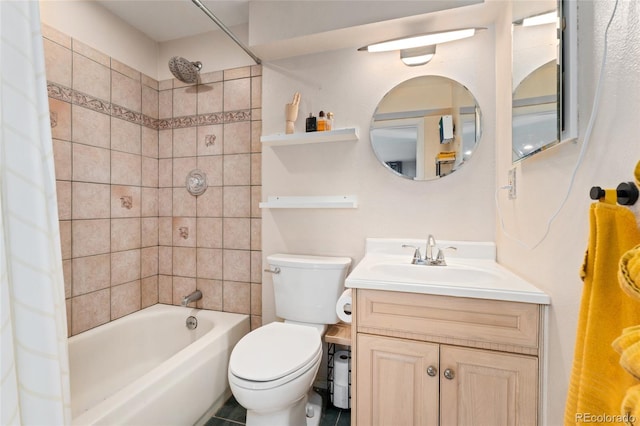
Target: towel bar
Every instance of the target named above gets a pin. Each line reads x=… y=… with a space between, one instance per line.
x=626 y=193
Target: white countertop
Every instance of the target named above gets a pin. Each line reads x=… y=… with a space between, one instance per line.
x=487 y=279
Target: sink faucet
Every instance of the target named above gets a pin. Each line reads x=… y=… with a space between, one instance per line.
x=431 y=244
x=429 y=259
x=196 y=295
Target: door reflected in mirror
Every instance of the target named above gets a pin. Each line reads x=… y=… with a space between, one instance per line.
x=426 y=128
x=536 y=123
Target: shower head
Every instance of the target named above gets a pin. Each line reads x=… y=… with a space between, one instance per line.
x=184 y=70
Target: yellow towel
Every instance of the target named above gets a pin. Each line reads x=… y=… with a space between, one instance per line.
x=629 y=273
x=630 y=360
x=598 y=382
x=629 y=336
x=631 y=405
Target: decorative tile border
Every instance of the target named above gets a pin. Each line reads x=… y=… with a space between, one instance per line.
x=75 y=97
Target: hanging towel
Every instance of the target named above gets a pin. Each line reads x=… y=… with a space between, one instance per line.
x=631 y=403
x=629 y=273
x=629 y=336
x=598 y=383
x=630 y=360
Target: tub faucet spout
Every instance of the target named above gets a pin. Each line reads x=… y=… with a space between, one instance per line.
x=196 y=295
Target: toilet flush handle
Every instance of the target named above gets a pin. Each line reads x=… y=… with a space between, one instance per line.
x=275 y=270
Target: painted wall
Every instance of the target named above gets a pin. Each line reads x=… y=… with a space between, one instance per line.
x=542 y=181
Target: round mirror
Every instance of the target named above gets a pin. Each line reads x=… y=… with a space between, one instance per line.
x=425 y=128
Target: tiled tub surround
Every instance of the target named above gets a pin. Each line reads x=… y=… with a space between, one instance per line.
x=132 y=235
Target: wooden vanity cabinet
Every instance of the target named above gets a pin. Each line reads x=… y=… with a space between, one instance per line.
x=437 y=360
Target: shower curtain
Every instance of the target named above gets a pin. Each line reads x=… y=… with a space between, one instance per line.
x=34 y=366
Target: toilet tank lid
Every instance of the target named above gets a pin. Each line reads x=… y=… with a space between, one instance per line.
x=308 y=261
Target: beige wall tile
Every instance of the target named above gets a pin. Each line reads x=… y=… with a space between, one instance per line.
x=236 y=265
x=234 y=73
x=165 y=260
x=149 y=82
x=165 y=173
x=256 y=169
x=211 y=294
x=149 y=262
x=211 y=77
x=184 y=262
x=60 y=116
x=181 y=168
x=63 y=191
x=256 y=196
x=184 y=101
x=91 y=53
x=91 y=164
x=67 y=272
x=256 y=234
x=236 y=233
x=125 y=234
x=236 y=297
x=125 y=201
x=165 y=84
x=125 y=299
x=55 y=35
x=62 y=158
x=149 y=200
x=165 y=231
x=165 y=104
x=125 y=136
x=125 y=70
x=149 y=231
x=165 y=144
x=149 y=291
x=209 y=204
x=256 y=114
x=149 y=172
x=256 y=322
x=236 y=201
x=90 y=200
x=210 y=140
x=184 y=204
x=57 y=62
x=125 y=168
x=90 y=310
x=256 y=91
x=256 y=267
x=237 y=94
x=125 y=266
x=209 y=263
x=165 y=202
x=256 y=299
x=237 y=137
x=237 y=169
x=183 y=286
x=184 y=231
x=65 y=238
x=90 y=237
x=165 y=289
x=91 y=78
x=149 y=101
x=91 y=127
x=209 y=232
x=210 y=98
x=126 y=91
x=184 y=142
x=212 y=167
x=90 y=274
x=256 y=132
x=149 y=142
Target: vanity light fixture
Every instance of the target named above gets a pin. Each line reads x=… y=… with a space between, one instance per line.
x=420 y=40
x=418 y=55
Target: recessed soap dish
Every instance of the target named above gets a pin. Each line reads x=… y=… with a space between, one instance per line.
x=196 y=182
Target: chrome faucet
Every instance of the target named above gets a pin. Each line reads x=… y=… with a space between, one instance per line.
x=428 y=258
x=196 y=295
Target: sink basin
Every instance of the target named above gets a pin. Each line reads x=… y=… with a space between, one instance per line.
x=429 y=274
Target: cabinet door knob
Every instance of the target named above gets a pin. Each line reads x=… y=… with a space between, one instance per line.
x=449 y=374
x=432 y=371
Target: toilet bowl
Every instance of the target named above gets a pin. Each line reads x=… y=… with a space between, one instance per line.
x=273 y=386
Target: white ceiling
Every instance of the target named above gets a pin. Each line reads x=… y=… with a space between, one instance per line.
x=163 y=20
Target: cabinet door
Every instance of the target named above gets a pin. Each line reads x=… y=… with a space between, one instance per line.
x=393 y=382
x=487 y=388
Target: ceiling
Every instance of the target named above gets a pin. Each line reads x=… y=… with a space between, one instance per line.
x=163 y=20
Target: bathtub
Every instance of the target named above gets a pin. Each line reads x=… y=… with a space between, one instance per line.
x=149 y=368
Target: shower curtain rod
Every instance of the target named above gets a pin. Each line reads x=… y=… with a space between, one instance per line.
x=224 y=28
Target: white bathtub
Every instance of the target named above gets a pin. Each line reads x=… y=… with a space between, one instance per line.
x=148 y=368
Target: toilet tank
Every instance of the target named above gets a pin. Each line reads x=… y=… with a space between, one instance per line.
x=307 y=288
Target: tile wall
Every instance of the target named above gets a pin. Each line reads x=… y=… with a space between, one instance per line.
x=132 y=235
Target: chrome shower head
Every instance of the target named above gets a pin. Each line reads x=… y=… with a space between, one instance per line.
x=184 y=70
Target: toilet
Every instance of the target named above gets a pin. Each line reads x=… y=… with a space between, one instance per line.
x=272 y=369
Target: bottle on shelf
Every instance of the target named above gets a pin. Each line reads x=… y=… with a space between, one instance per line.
x=322 y=122
x=311 y=124
x=329 y=125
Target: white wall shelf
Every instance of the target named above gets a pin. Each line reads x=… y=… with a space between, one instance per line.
x=339 y=135
x=311 y=202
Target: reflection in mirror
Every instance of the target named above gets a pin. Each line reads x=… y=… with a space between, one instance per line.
x=536 y=121
x=425 y=128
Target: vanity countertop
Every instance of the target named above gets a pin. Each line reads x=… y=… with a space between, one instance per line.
x=471 y=271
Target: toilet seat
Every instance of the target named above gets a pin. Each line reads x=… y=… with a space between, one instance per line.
x=274 y=354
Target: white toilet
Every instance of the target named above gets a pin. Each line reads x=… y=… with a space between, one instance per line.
x=272 y=369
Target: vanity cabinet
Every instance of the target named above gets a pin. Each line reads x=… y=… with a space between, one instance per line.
x=425 y=359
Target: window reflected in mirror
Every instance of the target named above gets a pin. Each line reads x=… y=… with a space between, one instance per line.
x=425 y=128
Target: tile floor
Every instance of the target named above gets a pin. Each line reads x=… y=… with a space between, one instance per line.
x=233 y=414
